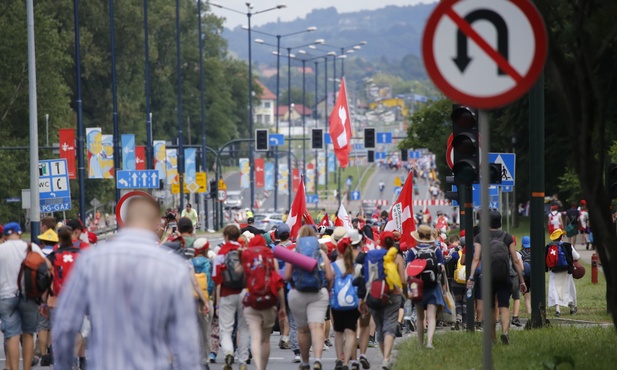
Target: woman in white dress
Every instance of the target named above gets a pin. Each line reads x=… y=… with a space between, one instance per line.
x=561 y=288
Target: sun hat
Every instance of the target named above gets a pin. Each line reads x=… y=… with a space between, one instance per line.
x=338 y=234
x=557 y=234
x=49 y=236
x=423 y=234
x=355 y=237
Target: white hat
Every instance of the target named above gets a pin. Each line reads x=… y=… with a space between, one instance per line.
x=355 y=237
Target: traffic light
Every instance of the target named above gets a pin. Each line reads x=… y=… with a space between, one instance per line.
x=262 y=144
x=214 y=189
x=611 y=180
x=495 y=174
x=369 y=138
x=317 y=138
x=451 y=194
x=465 y=145
x=370 y=154
x=404 y=155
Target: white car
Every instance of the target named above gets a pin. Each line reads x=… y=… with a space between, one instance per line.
x=234 y=199
x=265 y=221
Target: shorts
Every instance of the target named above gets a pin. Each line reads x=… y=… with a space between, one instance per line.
x=263 y=319
x=308 y=307
x=345 y=320
x=18 y=316
x=502 y=293
x=516 y=288
x=386 y=319
x=44 y=323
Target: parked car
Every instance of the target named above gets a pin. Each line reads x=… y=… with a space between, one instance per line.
x=234 y=199
x=265 y=221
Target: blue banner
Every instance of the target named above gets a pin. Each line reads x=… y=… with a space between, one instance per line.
x=269 y=176
x=331 y=161
x=190 y=157
x=128 y=151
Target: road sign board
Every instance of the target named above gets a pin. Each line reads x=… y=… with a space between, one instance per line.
x=397 y=190
x=222 y=185
x=493 y=193
x=414 y=154
x=508 y=166
x=481 y=75
x=221 y=195
x=355 y=195
x=137 y=179
x=384 y=138
x=507 y=189
x=201 y=178
x=312 y=198
x=327 y=139
x=54 y=189
x=276 y=139
x=381 y=155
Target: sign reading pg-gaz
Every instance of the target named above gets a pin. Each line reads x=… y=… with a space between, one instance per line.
x=54 y=188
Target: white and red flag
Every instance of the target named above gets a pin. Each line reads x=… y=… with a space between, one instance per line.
x=342 y=219
x=325 y=220
x=298 y=211
x=340 y=127
x=401 y=217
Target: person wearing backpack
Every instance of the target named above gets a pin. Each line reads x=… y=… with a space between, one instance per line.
x=308 y=298
x=229 y=278
x=432 y=294
x=572 y=223
x=384 y=271
x=19 y=309
x=526 y=256
x=503 y=254
x=560 y=257
x=264 y=290
x=554 y=220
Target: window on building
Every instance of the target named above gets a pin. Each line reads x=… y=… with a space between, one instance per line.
x=267 y=104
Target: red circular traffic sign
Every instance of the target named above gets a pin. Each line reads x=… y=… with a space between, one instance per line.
x=485 y=64
x=123 y=203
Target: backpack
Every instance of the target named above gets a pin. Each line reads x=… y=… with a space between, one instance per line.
x=441 y=223
x=204 y=265
x=377 y=289
x=63 y=264
x=35 y=273
x=554 y=221
x=202 y=281
x=556 y=257
x=500 y=259
x=460 y=275
x=309 y=281
x=526 y=255
x=344 y=294
x=233 y=275
x=262 y=280
x=431 y=272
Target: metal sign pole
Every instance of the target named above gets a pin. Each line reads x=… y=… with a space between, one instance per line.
x=35 y=208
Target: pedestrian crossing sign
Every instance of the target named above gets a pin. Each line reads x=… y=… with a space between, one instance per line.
x=508 y=166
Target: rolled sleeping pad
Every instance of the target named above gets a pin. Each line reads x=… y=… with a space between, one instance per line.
x=295 y=258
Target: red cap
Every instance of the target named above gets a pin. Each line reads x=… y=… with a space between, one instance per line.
x=384 y=235
x=403 y=246
x=257 y=241
x=583 y=202
x=92 y=238
x=462 y=233
x=553 y=208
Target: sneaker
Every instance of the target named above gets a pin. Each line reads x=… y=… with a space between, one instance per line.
x=505 y=339
x=328 y=343
x=325 y=347
x=557 y=314
x=229 y=360
x=212 y=358
x=573 y=310
x=516 y=322
x=243 y=367
x=284 y=344
x=317 y=365
x=385 y=365
x=338 y=365
x=35 y=360
x=345 y=367
x=297 y=359
x=479 y=326
x=457 y=325
x=304 y=367
x=429 y=346
x=372 y=344
x=45 y=360
x=355 y=366
x=364 y=362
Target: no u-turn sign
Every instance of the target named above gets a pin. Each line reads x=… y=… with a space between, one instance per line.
x=484 y=53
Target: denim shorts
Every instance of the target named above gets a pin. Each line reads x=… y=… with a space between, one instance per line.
x=18 y=316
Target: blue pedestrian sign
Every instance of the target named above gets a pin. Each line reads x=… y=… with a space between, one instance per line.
x=508 y=164
x=381 y=155
x=384 y=138
x=414 y=154
x=276 y=139
x=327 y=139
x=139 y=179
x=358 y=146
x=312 y=198
x=355 y=195
x=54 y=189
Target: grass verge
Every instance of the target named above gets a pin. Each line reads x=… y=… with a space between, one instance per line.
x=557 y=347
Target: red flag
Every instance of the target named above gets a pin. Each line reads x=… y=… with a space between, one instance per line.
x=340 y=127
x=308 y=219
x=295 y=179
x=325 y=220
x=67 y=150
x=297 y=212
x=140 y=157
x=260 y=177
x=401 y=217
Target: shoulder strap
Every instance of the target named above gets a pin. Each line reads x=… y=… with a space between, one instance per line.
x=503 y=237
x=337 y=270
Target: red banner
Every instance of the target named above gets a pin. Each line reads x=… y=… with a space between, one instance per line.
x=140 y=157
x=295 y=177
x=260 y=175
x=67 y=150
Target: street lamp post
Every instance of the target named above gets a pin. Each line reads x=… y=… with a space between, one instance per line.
x=180 y=154
x=114 y=94
x=204 y=161
x=289 y=107
x=149 y=154
x=80 y=122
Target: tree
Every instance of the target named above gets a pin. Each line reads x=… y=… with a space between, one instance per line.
x=582 y=82
x=296 y=97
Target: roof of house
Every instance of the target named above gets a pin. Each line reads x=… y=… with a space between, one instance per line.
x=266 y=93
x=301 y=109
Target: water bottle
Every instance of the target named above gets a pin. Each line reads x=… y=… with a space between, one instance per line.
x=470 y=290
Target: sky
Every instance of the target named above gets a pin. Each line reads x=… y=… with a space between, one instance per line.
x=297 y=8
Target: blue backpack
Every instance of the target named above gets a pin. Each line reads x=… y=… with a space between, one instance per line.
x=309 y=281
x=377 y=289
x=203 y=265
x=344 y=293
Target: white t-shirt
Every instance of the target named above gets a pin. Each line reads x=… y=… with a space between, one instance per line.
x=12 y=254
x=584 y=216
x=340 y=263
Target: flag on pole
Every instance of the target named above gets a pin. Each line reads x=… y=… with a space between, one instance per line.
x=340 y=126
x=401 y=217
x=342 y=219
x=325 y=220
x=298 y=211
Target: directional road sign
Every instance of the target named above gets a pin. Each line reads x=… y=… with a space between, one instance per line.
x=484 y=53
x=381 y=155
x=327 y=139
x=312 y=198
x=384 y=138
x=493 y=193
x=397 y=190
x=414 y=154
x=276 y=139
x=54 y=190
x=355 y=195
x=508 y=166
x=138 y=179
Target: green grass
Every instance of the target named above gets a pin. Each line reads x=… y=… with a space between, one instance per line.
x=557 y=347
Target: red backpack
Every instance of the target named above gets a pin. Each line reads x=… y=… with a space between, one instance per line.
x=63 y=264
x=262 y=280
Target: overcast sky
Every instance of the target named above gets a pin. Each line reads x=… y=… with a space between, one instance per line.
x=298 y=8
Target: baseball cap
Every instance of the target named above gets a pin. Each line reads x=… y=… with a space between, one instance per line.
x=12 y=228
x=526 y=242
x=250 y=220
x=74 y=224
x=201 y=244
x=92 y=238
x=282 y=229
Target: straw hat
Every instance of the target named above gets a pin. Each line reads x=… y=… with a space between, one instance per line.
x=423 y=234
x=557 y=234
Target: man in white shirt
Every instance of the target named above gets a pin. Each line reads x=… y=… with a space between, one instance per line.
x=19 y=315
